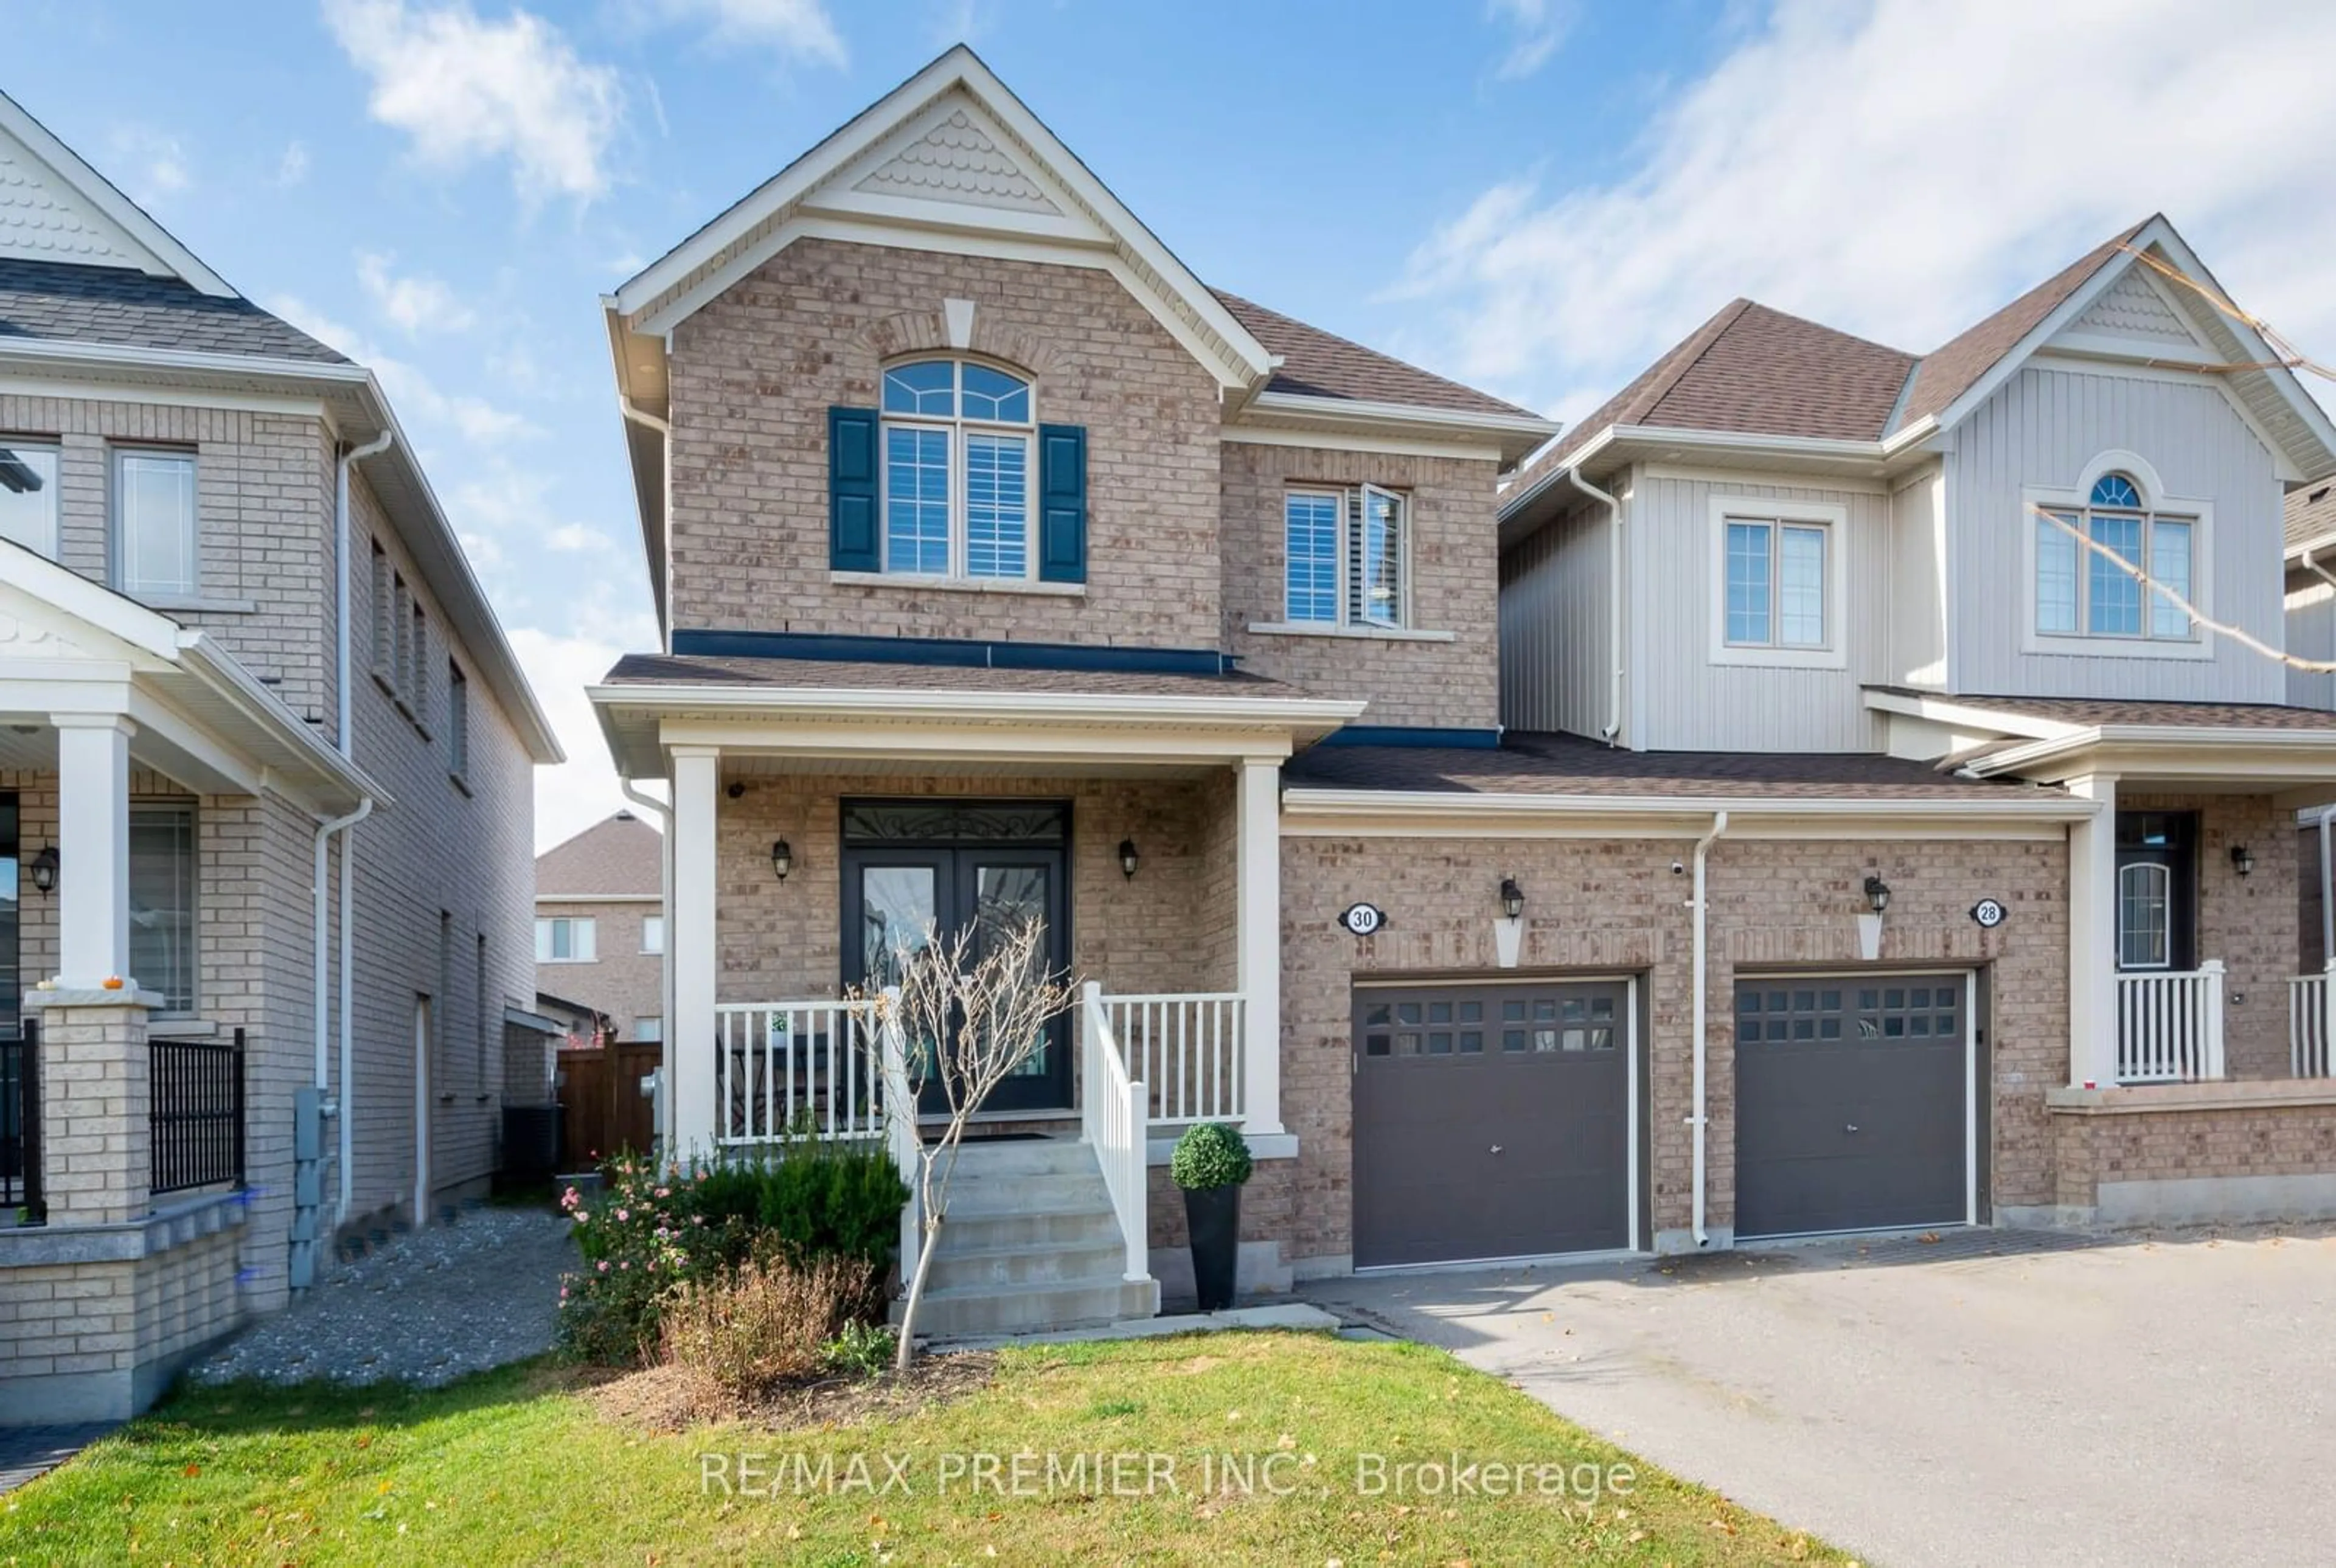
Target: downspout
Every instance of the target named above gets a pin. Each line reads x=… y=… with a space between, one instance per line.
x=345 y=1117
x=1613 y=724
x=323 y=888
x=2327 y=914
x=664 y=813
x=1701 y=1119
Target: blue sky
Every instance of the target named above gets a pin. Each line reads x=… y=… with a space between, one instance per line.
x=1536 y=196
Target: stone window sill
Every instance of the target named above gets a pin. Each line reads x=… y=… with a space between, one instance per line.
x=1025 y=585
x=1364 y=633
x=199 y=604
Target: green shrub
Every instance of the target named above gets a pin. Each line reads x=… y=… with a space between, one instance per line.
x=859 y=1349
x=841 y=1200
x=1210 y=1154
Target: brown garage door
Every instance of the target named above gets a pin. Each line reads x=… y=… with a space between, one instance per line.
x=1491 y=1121
x=1850 y=1103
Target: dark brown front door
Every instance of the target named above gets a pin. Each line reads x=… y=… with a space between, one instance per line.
x=1852 y=1103
x=1491 y=1121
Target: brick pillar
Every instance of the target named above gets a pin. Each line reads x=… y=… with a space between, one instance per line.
x=96 y=1141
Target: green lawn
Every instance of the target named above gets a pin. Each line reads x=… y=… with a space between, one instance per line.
x=518 y=1466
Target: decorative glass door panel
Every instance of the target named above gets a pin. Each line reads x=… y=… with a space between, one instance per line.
x=937 y=867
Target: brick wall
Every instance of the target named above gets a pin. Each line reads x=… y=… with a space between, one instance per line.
x=622 y=981
x=264 y=500
x=1455 y=585
x=755 y=372
x=2167 y=1133
x=1609 y=906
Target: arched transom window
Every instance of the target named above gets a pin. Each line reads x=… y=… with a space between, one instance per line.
x=2082 y=592
x=957 y=470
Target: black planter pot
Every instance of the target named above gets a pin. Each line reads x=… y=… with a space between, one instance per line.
x=1212 y=1215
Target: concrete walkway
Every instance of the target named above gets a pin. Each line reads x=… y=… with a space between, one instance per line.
x=2148 y=1401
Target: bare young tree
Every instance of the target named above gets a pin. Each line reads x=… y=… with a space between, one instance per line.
x=967 y=1010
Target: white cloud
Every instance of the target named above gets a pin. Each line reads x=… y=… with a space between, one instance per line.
x=467 y=89
x=792 y=27
x=150 y=164
x=580 y=538
x=574 y=795
x=1535 y=29
x=292 y=167
x=1899 y=170
x=409 y=388
x=415 y=304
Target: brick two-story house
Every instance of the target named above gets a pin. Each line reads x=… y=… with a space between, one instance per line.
x=1411 y=809
x=266 y=800
x=599 y=928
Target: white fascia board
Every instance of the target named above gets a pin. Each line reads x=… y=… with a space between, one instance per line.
x=957 y=68
x=1875 y=457
x=1947 y=711
x=1115 y=709
x=235 y=367
x=2188 y=751
x=170 y=258
x=1331 y=805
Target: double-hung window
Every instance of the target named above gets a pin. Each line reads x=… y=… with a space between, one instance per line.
x=2083 y=591
x=154 y=524
x=1775 y=582
x=957 y=463
x=1343 y=557
x=28 y=496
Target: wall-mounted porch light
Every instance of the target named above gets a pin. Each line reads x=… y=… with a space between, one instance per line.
x=43 y=870
x=1877 y=893
x=2243 y=860
x=1512 y=897
x=1128 y=858
x=783 y=859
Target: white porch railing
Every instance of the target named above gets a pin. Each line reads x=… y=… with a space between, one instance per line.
x=1112 y=1120
x=805 y=1067
x=2170 y=1025
x=1188 y=1049
x=2308 y=1032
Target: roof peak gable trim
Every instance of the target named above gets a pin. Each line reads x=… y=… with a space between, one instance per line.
x=2124 y=255
x=742 y=236
x=155 y=249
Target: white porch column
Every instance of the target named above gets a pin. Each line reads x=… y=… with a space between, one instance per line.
x=690 y=951
x=2092 y=936
x=93 y=848
x=1258 y=942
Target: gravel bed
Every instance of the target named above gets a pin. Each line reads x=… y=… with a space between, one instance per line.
x=426 y=1308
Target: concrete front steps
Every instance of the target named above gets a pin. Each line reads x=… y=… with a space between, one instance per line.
x=1031 y=1246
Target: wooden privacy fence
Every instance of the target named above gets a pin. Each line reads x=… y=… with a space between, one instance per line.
x=603 y=1108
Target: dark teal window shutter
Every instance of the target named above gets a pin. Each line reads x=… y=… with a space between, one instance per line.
x=1061 y=503
x=852 y=542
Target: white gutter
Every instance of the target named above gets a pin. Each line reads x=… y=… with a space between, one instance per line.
x=1699 y=1120
x=902 y=704
x=1613 y=726
x=664 y=813
x=2014 y=804
x=345 y=1116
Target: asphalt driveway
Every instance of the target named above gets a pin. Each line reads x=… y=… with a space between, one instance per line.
x=2151 y=1400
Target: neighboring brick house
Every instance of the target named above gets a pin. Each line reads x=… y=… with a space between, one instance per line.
x=600 y=926
x=207 y=520
x=1440 y=827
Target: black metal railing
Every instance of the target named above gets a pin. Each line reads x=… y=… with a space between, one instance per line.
x=196 y=1113
x=19 y=1121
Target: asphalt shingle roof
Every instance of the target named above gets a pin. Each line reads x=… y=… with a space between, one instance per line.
x=2312 y=511
x=616 y=855
x=1528 y=762
x=69 y=303
x=1318 y=363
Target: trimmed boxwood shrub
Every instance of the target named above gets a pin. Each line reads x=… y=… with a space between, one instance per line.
x=1210 y=1154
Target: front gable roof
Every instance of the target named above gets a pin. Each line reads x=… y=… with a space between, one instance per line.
x=54 y=206
x=620 y=856
x=950 y=157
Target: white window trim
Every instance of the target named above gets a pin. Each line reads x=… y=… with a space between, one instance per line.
x=1353 y=504
x=543 y=943
x=958 y=428
x=1833 y=518
x=2155 y=501
x=119 y=536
